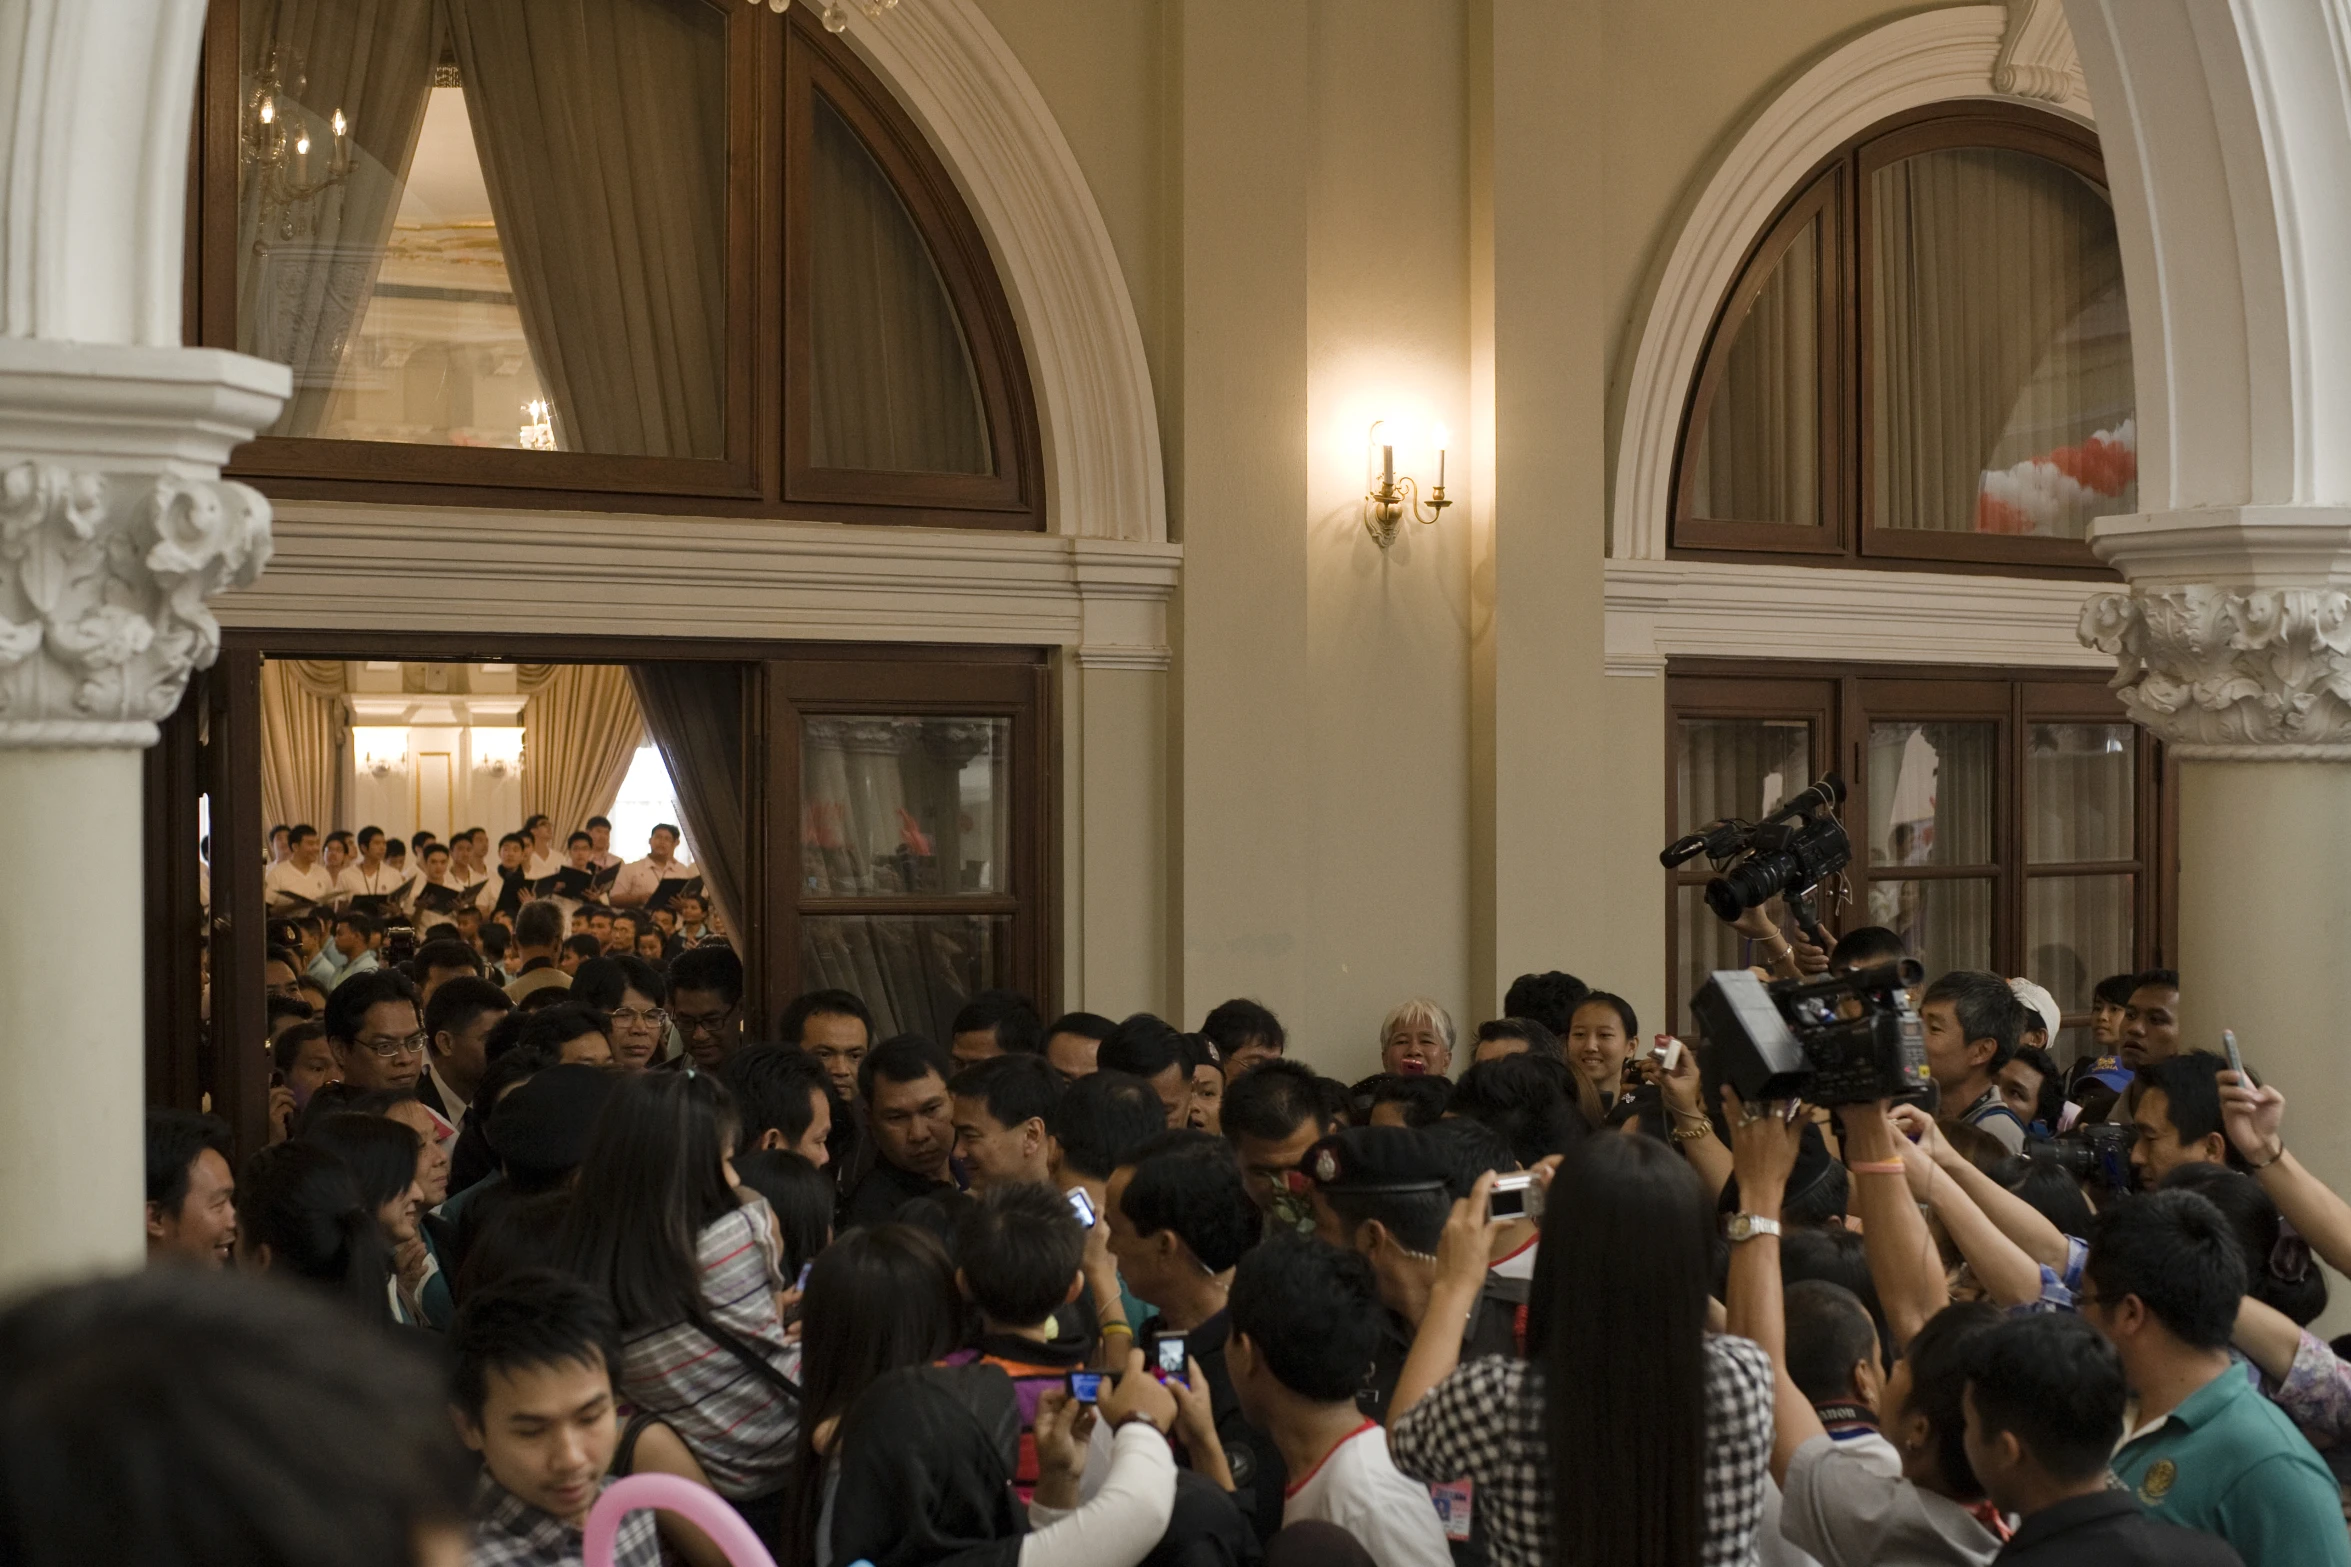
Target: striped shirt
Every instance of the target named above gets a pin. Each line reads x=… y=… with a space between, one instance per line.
x=738 y=1424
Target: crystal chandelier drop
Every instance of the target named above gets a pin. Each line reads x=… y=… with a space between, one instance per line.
x=835 y=13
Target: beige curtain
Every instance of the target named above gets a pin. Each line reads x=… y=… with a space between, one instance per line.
x=1758 y=454
x=304 y=731
x=581 y=729
x=1990 y=269
x=602 y=131
x=892 y=384
x=694 y=712
x=305 y=271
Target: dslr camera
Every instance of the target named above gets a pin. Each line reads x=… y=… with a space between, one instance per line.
x=2091 y=1151
x=1787 y=854
x=1839 y=1039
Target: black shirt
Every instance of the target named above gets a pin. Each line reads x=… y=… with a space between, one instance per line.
x=884 y=1191
x=2110 y=1529
x=1258 y=1473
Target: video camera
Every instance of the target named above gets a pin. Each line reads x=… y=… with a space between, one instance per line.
x=2091 y=1151
x=1789 y=853
x=1839 y=1039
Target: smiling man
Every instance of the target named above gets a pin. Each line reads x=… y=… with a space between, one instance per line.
x=191 y=1194
x=533 y=1396
x=1002 y=1107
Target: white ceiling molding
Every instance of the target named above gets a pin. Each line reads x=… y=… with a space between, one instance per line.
x=1711 y=609
x=543 y=573
x=954 y=73
x=1930 y=57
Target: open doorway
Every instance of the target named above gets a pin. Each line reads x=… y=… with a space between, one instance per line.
x=870 y=818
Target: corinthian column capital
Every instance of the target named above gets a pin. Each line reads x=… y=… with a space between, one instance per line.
x=116 y=529
x=2232 y=673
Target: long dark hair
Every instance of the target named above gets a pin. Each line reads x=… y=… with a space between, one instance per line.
x=1617 y=1328
x=303 y=1203
x=654 y=1177
x=380 y=1153
x=878 y=1299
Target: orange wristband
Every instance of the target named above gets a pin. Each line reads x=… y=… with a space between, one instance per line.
x=1876 y=1167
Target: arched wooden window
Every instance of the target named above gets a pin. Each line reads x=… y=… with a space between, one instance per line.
x=661 y=255
x=1926 y=357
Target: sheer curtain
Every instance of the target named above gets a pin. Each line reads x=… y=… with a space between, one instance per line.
x=304 y=275
x=694 y=712
x=1990 y=270
x=304 y=730
x=580 y=732
x=602 y=131
x=893 y=386
x=1758 y=454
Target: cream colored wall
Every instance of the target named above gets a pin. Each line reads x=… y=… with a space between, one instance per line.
x=1402 y=772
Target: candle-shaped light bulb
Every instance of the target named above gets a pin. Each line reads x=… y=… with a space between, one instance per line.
x=269 y=111
x=1444 y=438
x=341 y=125
x=302 y=143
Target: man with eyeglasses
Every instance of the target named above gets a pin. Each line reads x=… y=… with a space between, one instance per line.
x=376 y=1033
x=706 y=1003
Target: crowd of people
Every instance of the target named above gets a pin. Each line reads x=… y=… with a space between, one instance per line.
x=539 y=1213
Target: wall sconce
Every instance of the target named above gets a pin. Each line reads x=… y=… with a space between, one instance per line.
x=1384 y=502
x=497 y=752
x=382 y=748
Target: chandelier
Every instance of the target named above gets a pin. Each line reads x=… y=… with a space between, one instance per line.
x=834 y=13
x=280 y=155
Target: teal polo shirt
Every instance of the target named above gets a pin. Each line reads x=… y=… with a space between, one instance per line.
x=2229 y=1462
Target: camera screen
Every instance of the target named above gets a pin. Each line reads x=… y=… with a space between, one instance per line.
x=1086 y=1386
x=1507 y=1202
x=1172 y=1355
x=1082 y=1205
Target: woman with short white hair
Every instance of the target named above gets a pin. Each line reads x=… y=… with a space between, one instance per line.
x=1416 y=1040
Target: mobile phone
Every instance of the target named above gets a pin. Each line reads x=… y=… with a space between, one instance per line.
x=2228 y=1042
x=1086 y=1386
x=1515 y=1196
x=1174 y=1355
x=1081 y=1205
x=800 y=1284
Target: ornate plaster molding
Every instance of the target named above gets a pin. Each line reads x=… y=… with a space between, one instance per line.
x=959 y=79
x=2233 y=674
x=1930 y=57
x=116 y=530
x=2037 y=55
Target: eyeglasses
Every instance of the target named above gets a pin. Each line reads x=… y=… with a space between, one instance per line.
x=394 y=1049
x=704 y=1025
x=630 y=1017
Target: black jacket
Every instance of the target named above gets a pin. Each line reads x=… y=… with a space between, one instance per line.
x=2110 y=1529
x=927 y=1454
x=1258 y=1473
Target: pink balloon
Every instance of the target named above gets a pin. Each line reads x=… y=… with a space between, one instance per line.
x=700 y=1506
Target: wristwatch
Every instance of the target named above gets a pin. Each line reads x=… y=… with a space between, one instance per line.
x=1746 y=1226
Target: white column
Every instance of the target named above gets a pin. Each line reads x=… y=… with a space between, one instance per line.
x=115 y=529
x=2227 y=133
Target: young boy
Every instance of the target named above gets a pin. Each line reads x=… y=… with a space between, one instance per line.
x=533 y=1395
x=1305 y=1324
x=1021 y=1250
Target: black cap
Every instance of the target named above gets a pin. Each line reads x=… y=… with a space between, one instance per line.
x=1378 y=1159
x=542 y=1125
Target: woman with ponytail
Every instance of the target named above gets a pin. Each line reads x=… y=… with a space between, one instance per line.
x=300 y=1215
x=692 y=1263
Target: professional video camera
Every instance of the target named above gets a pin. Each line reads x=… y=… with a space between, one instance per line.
x=1840 y=1039
x=1787 y=854
x=2091 y=1151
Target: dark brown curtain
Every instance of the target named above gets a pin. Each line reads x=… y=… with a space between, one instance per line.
x=602 y=131
x=694 y=712
x=1758 y=454
x=305 y=271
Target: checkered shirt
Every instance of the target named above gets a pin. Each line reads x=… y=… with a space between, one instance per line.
x=510 y=1532
x=738 y=1425
x=1484 y=1423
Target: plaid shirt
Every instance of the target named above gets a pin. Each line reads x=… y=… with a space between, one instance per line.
x=510 y=1532
x=740 y=1426
x=1484 y=1423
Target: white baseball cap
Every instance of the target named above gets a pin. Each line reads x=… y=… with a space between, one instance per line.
x=2037 y=997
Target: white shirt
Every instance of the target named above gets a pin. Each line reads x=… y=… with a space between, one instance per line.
x=1357 y=1487
x=288 y=880
x=539 y=866
x=357 y=881
x=1774 y=1549
x=603 y=859
x=640 y=879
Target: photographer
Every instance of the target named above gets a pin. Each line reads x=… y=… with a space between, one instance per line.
x=2015 y=1253
x=1839 y=1506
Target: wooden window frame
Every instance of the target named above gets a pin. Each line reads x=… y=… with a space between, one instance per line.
x=1843 y=700
x=212 y=744
x=770 y=66
x=1849 y=535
